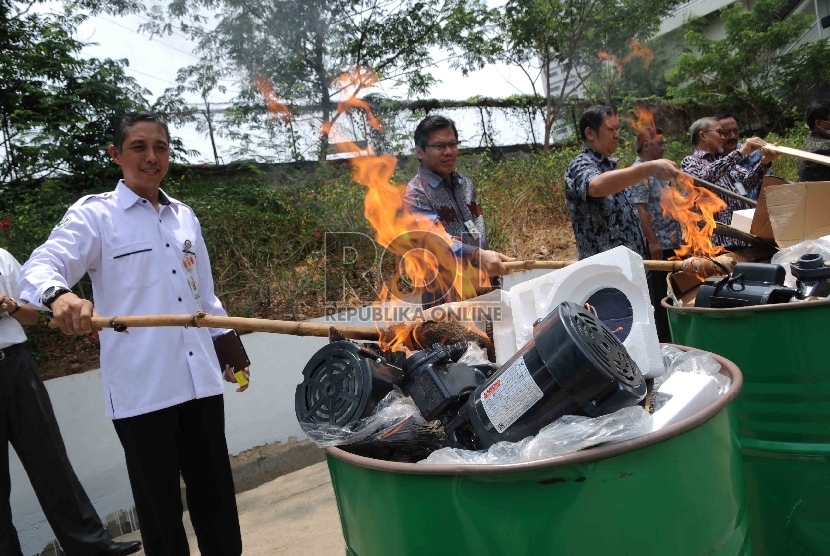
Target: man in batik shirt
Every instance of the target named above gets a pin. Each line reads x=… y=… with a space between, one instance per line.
x=707 y=164
x=663 y=235
x=601 y=213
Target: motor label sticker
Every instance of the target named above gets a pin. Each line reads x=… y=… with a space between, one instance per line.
x=510 y=396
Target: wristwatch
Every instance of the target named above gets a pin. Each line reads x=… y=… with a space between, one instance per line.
x=51 y=294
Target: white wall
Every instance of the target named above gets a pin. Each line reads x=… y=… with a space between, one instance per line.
x=262 y=415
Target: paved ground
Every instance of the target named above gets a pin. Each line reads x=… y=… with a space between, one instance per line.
x=294 y=514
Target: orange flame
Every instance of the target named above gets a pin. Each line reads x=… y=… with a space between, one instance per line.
x=695 y=208
x=272 y=99
x=421 y=247
x=638 y=50
x=642 y=120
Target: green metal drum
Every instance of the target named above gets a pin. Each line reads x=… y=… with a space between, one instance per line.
x=675 y=492
x=783 y=414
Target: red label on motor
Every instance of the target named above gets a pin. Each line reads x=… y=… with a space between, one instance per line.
x=493 y=388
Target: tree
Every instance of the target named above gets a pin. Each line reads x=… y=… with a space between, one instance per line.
x=302 y=47
x=754 y=70
x=57 y=109
x=543 y=36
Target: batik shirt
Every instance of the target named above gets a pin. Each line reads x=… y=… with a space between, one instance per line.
x=727 y=172
x=600 y=223
x=813 y=171
x=647 y=192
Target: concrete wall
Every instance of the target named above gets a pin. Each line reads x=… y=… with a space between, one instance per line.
x=262 y=415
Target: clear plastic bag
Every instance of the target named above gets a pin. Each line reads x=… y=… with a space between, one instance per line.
x=792 y=253
x=694 y=361
x=395 y=420
x=475 y=355
x=565 y=435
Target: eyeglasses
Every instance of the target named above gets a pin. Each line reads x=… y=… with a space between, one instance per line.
x=441 y=146
x=718 y=131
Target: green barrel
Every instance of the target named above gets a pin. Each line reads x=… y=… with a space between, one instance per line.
x=783 y=414
x=675 y=492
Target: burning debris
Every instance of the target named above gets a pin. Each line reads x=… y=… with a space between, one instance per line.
x=415 y=336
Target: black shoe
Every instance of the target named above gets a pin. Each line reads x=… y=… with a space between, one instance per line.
x=120 y=548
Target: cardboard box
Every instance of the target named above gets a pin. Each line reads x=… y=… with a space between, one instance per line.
x=683 y=288
x=797 y=211
x=761 y=226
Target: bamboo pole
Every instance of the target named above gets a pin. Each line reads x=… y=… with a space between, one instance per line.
x=663 y=266
x=202 y=320
x=798 y=153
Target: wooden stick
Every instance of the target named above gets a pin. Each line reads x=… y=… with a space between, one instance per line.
x=722 y=191
x=664 y=266
x=200 y=320
x=798 y=153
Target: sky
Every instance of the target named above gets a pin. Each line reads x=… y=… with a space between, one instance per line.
x=153 y=62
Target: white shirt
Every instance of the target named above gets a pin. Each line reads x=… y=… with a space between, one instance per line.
x=10 y=330
x=136 y=260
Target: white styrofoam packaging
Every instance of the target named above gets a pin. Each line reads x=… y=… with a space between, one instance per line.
x=690 y=393
x=742 y=219
x=618 y=268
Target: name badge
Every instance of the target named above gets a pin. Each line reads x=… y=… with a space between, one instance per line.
x=472 y=228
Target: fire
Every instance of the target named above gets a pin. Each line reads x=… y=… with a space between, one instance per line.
x=638 y=50
x=642 y=120
x=695 y=208
x=421 y=247
x=272 y=99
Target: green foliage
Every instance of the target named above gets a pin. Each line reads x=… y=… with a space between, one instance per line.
x=753 y=70
x=540 y=34
x=57 y=108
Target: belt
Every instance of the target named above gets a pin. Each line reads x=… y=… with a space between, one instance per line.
x=11 y=350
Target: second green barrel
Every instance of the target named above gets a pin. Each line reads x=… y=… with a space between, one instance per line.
x=783 y=415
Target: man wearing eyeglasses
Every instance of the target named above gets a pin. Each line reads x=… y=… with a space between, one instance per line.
x=442 y=194
x=708 y=163
x=818 y=120
x=731 y=142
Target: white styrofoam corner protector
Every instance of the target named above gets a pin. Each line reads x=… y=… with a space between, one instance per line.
x=690 y=394
x=643 y=346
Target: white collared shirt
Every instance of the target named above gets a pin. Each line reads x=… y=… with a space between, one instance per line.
x=11 y=332
x=135 y=257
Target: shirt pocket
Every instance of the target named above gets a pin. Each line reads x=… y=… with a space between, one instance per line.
x=133 y=265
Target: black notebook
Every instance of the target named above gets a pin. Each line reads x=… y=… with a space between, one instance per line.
x=230 y=351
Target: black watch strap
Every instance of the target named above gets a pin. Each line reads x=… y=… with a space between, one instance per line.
x=51 y=294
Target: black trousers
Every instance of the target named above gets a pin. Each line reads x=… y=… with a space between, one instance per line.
x=27 y=421
x=186 y=439
x=657 y=290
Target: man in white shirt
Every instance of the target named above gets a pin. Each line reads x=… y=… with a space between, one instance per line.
x=27 y=422
x=145 y=254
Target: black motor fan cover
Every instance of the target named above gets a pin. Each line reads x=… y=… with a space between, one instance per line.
x=342 y=383
x=573 y=366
